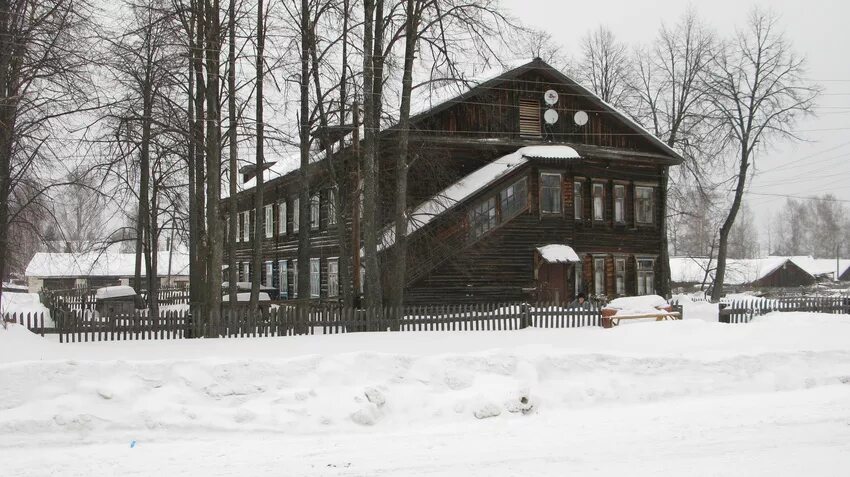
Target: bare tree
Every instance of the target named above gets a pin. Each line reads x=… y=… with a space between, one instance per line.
x=605 y=66
x=260 y=218
x=758 y=92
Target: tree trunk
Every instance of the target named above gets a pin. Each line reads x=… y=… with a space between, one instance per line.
x=258 y=191
x=722 y=249
x=202 y=246
x=664 y=259
x=233 y=159
x=303 y=211
x=214 y=233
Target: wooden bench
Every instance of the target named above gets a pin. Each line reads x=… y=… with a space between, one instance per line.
x=614 y=320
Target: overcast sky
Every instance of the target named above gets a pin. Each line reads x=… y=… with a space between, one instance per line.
x=817 y=29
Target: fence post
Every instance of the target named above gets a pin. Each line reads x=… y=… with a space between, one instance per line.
x=524 y=316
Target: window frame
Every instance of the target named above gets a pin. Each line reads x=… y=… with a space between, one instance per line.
x=620 y=275
x=283 y=279
x=246 y=226
x=578 y=199
x=639 y=201
x=268 y=265
x=560 y=194
x=315 y=211
x=332 y=198
x=296 y=217
x=642 y=275
x=515 y=198
x=490 y=214
x=268 y=223
x=295 y=278
x=333 y=278
x=317 y=275
x=594 y=187
x=622 y=200
x=578 y=277
x=246 y=270
x=281 y=217
x=599 y=275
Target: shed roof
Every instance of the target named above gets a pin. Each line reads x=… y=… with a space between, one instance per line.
x=106 y=263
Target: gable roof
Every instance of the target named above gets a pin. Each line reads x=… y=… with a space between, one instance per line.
x=738 y=271
x=108 y=263
x=822 y=267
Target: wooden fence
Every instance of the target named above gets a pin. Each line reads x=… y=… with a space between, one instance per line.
x=82 y=299
x=743 y=311
x=86 y=325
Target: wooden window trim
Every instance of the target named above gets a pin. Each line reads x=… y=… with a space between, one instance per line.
x=540 y=175
x=652 y=221
x=621 y=186
x=594 y=183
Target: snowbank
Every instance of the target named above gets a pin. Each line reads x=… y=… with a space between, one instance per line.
x=638 y=305
x=24 y=303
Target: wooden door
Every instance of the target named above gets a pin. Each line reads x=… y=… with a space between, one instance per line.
x=553 y=279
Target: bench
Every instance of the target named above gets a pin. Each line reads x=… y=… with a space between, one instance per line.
x=614 y=320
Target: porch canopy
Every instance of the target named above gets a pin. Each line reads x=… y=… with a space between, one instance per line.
x=558 y=253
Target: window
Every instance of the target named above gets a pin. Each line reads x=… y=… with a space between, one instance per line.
x=578 y=269
x=283 y=279
x=295 y=214
x=619 y=204
x=550 y=193
x=599 y=276
x=643 y=205
x=246 y=226
x=331 y=206
x=482 y=218
x=295 y=278
x=268 y=279
x=645 y=276
x=620 y=269
x=529 y=117
x=514 y=198
x=333 y=277
x=269 y=223
x=315 y=278
x=598 y=201
x=578 y=200
x=246 y=271
x=281 y=217
x=314 y=211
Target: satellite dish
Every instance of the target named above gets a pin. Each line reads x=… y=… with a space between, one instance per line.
x=580 y=118
x=551 y=97
x=550 y=116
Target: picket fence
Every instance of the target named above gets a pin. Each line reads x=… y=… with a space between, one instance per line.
x=86 y=325
x=84 y=298
x=743 y=311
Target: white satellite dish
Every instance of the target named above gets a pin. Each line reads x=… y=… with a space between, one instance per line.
x=580 y=118
x=550 y=116
x=551 y=97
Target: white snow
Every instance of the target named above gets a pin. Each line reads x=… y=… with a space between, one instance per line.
x=771 y=397
x=638 y=305
x=108 y=263
x=822 y=267
x=23 y=304
x=240 y=297
x=114 y=292
x=558 y=253
x=738 y=271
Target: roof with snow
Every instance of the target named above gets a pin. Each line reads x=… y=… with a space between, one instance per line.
x=822 y=267
x=738 y=271
x=114 y=292
x=106 y=263
x=474 y=182
x=558 y=253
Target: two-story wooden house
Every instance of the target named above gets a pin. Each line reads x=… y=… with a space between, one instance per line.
x=526 y=186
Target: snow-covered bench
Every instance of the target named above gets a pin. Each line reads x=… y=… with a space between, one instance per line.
x=638 y=308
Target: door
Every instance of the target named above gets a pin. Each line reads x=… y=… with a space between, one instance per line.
x=553 y=282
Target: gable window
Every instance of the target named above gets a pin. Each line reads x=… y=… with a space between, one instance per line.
x=619 y=203
x=578 y=200
x=295 y=278
x=599 y=275
x=620 y=272
x=333 y=277
x=281 y=217
x=269 y=278
x=296 y=213
x=269 y=223
x=314 y=211
x=598 y=201
x=283 y=279
x=514 y=198
x=529 y=117
x=643 y=205
x=331 y=206
x=645 y=276
x=550 y=193
x=315 y=278
x=482 y=218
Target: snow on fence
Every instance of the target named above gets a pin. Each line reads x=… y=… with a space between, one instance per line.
x=34 y=322
x=743 y=310
x=86 y=325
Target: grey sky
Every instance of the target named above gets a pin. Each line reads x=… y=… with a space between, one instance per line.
x=817 y=29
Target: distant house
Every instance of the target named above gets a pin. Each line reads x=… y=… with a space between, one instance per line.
x=825 y=269
x=525 y=186
x=769 y=272
x=60 y=271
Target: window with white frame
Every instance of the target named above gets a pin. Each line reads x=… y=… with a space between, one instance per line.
x=619 y=203
x=315 y=277
x=599 y=275
x=246 y=271
x=314 y=211
x=578 y=270
x=268 y=225
x=550 y=193
x=246 y=226
x=482 y=218
x=295 y=279
x=514 y=198
x=269 y=278
x=296 y=217
x=598 y=201
x=281 y=217
x=331 y=206
x=333 y=277
x=643 y=204
x=620 y=272
x=283 y=279
x=578 y=200
x=645 y=276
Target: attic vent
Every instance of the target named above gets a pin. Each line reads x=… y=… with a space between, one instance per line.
x=529 y=117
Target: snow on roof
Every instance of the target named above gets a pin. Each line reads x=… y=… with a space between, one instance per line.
x=558 y=253
x=106 y=263
x=114 y=292
x=822 y=266
x=738 y=271
x=472 y=183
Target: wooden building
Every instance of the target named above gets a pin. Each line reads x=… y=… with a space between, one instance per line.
x=527 y=186
x=743 y=274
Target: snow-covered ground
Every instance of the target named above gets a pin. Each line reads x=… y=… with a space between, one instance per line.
x=690 y=397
